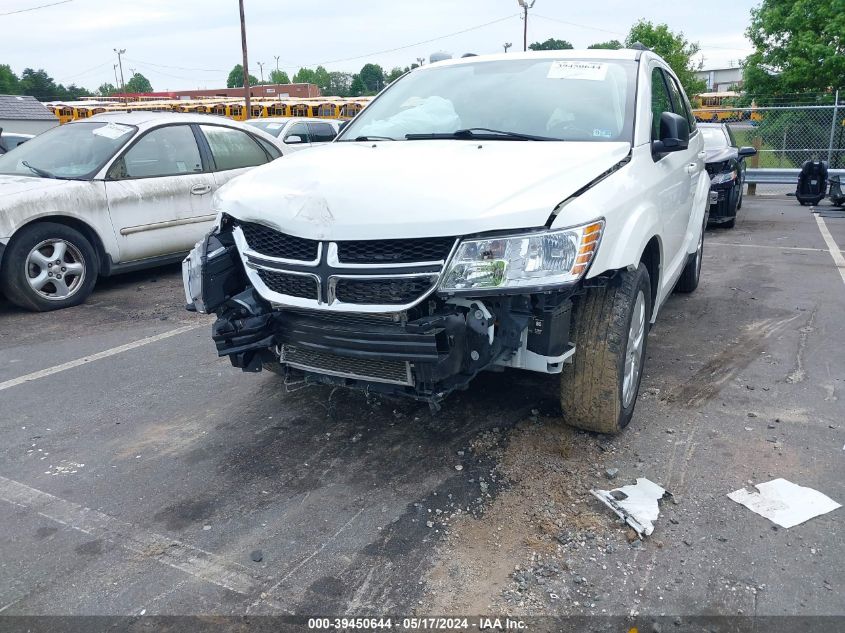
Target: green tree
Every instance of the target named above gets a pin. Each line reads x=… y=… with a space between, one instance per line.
x=357 y=87
x=372 y=76
x=236 y=78
x=279 y=77
x=394 y=74
x=673 y=48
x=322 y=79
x=340 y=84
x=138 y=83
x=613 y=45
x=9 y=82
x=550 y=44
x=304 y=76
x=799 y=47
x=39 y=84
x=106 y=90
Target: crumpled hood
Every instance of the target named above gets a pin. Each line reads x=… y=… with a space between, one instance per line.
x=720 y=154
x=381 y=190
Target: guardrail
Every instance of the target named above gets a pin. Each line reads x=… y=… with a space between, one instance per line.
x=776 y=176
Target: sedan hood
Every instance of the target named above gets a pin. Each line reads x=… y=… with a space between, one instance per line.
x=15 y=185
x=719 y=155
x=349 y=190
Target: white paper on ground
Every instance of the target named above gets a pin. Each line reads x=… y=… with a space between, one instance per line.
x=784 y=502
x=639 y=508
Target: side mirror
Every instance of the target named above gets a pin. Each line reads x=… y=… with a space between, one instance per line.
x=744 y=152
x=293 y=139
x=674 y=134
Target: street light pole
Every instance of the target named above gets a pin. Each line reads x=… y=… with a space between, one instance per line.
x=120 y=64
x=507 y=45
x=420 y=60
x=277 y=64
x=261 y=68
x=246 y=62
x=525 y=4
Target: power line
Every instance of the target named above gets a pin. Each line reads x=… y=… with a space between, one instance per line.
x=41 y=6
x=399 y=48
x=204 y=70
x=84 y=72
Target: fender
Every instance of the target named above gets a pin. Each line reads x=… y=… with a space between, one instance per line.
x=700 y=205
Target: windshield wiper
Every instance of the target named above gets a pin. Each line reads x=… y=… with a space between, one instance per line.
x=372 y=138
x=37 y=170
x=480 y=133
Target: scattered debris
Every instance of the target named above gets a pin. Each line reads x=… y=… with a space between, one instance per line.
x=611 y=473
x=636 y=504
x=257 y=555
x=784 y=503
x=458 y=467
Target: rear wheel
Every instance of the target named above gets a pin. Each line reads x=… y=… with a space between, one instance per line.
x=599 y=388
x=48 y=266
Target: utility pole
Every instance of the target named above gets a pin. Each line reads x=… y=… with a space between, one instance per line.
x=120 y=64
x=507 y=45
x=277 y=62
x=261 y=68
x=246 y=62
x=420 y=60
x=116 y=80
x=525 y=4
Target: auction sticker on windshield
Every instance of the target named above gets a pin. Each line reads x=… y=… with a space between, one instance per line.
x=591 y=71
x=112 y=130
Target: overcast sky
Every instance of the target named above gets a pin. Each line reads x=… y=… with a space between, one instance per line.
x=180 y=44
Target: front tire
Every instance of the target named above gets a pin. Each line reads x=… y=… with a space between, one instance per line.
x=48 y=266
x=688 y=281
x=599 y=388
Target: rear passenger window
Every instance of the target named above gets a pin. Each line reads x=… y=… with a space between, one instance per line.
x=233 y=149
x=322 y=132
x=298 y=129
x=269 y=148
x=660 y=101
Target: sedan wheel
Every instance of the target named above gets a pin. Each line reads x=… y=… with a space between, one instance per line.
x=55 y=269
x=48 y=266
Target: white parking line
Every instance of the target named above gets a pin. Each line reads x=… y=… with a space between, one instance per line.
x=777 y=248
x=835 y=253
x=191 y=560
x=98 y=356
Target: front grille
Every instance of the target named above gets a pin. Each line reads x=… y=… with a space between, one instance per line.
x=291 y=285
x=397 y=291
x=390 y=371
x=395 y=251
x=262 y=239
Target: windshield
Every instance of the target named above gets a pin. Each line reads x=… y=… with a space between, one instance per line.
x=714 y=137
x=271 y=127
x=564 y=99
x=76 y=150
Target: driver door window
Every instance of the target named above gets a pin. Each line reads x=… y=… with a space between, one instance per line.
x=167 y=151
x=660 y=101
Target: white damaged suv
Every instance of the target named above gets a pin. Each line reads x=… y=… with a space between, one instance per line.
x=530 y=211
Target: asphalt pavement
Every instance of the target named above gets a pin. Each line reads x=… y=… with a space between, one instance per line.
x=140 y=474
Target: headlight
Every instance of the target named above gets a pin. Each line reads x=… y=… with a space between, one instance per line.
x=534 y=259
x=720 y=179
x=192 y=275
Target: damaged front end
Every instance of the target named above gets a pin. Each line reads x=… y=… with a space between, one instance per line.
x=367 y=314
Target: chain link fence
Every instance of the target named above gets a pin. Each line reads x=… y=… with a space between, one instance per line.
x=785 y=137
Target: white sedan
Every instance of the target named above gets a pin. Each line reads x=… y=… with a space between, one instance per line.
x=113 y=193
x=299 y=132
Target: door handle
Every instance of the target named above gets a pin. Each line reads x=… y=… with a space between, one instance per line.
x=199 y=190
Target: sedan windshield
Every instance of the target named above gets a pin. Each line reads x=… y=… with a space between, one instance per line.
x=548 y=99
x=271 y=127
x=73 y=151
